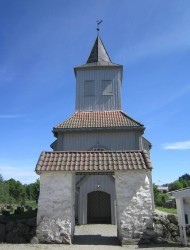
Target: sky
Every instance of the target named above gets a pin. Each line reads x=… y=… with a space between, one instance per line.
x=41 y=41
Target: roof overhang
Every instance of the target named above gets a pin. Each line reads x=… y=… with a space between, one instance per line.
x=101 y=162
x=181 y=193
x=98 y=66
x=65 y=130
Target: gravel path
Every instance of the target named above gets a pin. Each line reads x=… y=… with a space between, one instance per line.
x=96 y=235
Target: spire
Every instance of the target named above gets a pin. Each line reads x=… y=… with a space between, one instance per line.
x=98 y=53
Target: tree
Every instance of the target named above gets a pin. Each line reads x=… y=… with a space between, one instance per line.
x=4 y=192
x=16 y=190
x=33 y=190
x=156 y=193
x=176 y=185
x=185 y=177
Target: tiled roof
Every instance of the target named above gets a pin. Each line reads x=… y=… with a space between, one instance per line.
x=106 y=119
x=93 y=161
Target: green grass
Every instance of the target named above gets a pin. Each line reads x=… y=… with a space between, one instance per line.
x=31 y=203
x=167 y=210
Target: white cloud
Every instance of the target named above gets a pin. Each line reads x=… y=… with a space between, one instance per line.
x=21 y=174
x=160 y=104
x=169 y=39
x=177 y=145
x=10 y=116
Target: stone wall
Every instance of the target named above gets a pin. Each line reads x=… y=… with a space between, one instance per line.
x=134 y=206
x=165 y=229
x=17 y=231
x=56 y=217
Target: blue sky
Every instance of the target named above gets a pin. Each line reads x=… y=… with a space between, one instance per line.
x=42 y=40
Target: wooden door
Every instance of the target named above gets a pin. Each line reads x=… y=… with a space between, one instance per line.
x=99 y=208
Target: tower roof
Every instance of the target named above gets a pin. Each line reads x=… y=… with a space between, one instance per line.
x=98 y=57
x=98 y=120
x=98 y=53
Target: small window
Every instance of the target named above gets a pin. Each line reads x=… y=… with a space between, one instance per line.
x=89 y=89
x=186 y=219
x=107 y=88
x=98 y=149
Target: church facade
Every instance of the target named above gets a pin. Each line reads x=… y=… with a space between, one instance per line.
x=99 y=170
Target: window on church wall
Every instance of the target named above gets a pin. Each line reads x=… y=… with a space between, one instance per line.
x=107 y=87
x=89 y=88
x=98 y=149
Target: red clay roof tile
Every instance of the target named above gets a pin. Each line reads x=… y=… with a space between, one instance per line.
x=106 y=119
x=87 y=161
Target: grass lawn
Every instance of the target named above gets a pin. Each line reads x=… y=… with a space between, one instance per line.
x=167 y=210
x=31 y=203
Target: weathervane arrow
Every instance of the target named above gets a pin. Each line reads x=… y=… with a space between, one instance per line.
x=98 y=23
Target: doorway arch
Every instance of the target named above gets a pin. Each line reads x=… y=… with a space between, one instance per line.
x=98 y=208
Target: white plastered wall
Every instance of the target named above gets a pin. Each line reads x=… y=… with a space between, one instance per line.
x=134 y=204
x=186 y=202
x=57 y=196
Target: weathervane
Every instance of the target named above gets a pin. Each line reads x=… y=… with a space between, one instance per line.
x=98 y=23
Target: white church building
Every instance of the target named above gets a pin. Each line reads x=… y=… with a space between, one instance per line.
x=99 y=170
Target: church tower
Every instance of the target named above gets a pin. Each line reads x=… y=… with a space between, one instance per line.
x=98 y=82
x=99 y=170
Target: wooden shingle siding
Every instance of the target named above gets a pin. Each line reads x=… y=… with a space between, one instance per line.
x=99 y=102
x=89 y=89
x=118 y=140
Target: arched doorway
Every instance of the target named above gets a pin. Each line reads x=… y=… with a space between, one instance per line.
x=98 y=208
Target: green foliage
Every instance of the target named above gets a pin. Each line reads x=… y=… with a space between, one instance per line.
x=4 y=192
x=167 y=210
x=32 y=203
x=182 y=182
x=176 y=185
x=156 y=193
x=1 y=178
x=159 y=198
x=16 y=189
x=14 y=192
x=33 y=190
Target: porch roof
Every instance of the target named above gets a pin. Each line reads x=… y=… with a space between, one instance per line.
x=93 y=161
x=106 y=119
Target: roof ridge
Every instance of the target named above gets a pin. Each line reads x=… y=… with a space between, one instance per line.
x=131 y=118
x=146 y=158
x=91 y=112
x=87 y=151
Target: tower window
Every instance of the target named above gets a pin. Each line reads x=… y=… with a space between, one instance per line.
x=107 y=87
x=89 y=88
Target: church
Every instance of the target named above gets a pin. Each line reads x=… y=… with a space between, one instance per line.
x=99 y=170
